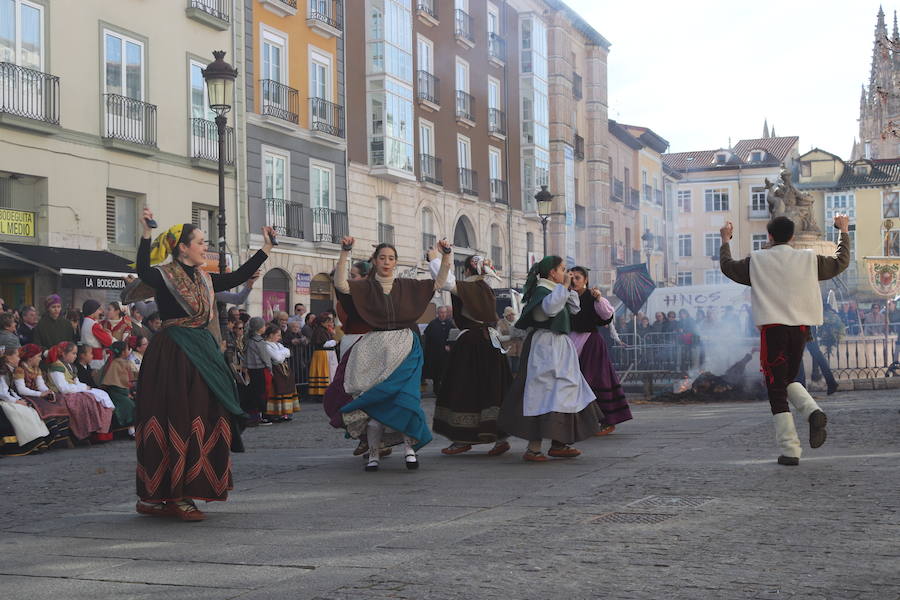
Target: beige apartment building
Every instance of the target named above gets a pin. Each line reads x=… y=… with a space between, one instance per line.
x=722 y=185
x=103 y=112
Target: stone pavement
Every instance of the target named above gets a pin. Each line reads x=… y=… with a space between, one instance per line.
x=685 y=501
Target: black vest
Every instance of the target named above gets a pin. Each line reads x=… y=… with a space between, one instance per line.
x=587 y=319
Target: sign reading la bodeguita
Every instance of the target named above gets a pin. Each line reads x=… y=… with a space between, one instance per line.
x=92 y=282
x=19 y=223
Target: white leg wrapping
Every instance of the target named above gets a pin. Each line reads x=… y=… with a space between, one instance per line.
x=374 y=432
x=786 y=435
x=800 y=399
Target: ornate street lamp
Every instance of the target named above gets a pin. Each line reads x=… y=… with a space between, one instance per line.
x=219 y=77
x=648 y=238
x=544 y=207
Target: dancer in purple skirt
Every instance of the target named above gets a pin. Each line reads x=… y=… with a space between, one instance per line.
x=593 y=354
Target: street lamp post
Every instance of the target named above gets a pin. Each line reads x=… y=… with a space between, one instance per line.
x=648 y=238
x=544 y=207
x=219 y=77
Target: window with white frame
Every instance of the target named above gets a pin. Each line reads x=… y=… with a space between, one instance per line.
x=716 y=199
x=124 y=66
x=384 y=210
x=426 y=137
x=890 y=205
x=685 y=245
x=684 y=201
x=321 y=184
x=425 y=54
x=22 y=33
x=206 y=218
x=462 y=75
x=758 y=203
x=274 y=53
x=463 y=152
x=121 y=219
x=684 y=278
x=759 y=241
x=711 y=244
x=275 y=174
x=493 y=19
x=320 y=86
x=841 y=203
x=714 y=277
x=199 y=96
x=495 y=162
x=493 y=93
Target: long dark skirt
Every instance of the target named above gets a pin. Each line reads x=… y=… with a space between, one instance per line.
x=598 y=370
x=56 y=417
x=475 y=381
x=182 y=433
x=335 y=397
x=563 y=427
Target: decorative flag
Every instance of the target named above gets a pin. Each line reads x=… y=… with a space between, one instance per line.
x=884 y=275
x=633 y=286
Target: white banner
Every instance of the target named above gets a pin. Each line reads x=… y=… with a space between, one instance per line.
x=692 y=297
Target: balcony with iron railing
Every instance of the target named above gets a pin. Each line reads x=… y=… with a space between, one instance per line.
x=427 y=11
x=579 y=147
x=428 y=241
x=385 y=233
x=285 y=216
x=618 y=190
x=497 y=123
x=205 y=143
x=496 y=49
x=282 y=8
x=428 y=89
x=633 y=199
x=465 y=108
x=463 y=28
x=326 y=117
x=329 y=225
x=129 y=124
x=497 y=257
x=430 y=169
x=499 y=192
x=28 y=98
x=577 y=86
x=215 y=13
x=468 y=182
x=280 y=101
x=325 y=17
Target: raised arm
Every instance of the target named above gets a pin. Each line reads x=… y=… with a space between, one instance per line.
x=342 y=268
x=832 y=266
x=434 y=265
x=735 y=270
x=555 y=301
x=446 y=251
x=226 y=281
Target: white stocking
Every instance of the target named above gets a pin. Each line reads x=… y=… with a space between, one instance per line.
x=374 y=431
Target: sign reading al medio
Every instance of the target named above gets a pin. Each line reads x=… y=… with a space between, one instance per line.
x=19 y=223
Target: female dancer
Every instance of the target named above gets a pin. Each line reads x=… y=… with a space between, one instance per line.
x=549 y=397
x=477 y=375
x=385 y=368
x=30 y=431
x=593 y=354
x=90 y=409
x=30 y=386
x=186 y=394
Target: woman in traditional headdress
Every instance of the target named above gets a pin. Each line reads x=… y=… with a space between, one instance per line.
x=384 y=370
x=27 y=428
x=186 y=394
x=30 y=386
x=324 y=363
x=593 y=354
x=477 y=375
x=282 y=400
x=117 y=379
x=90 y=409
x=549 y=398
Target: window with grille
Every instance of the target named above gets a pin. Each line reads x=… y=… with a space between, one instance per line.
x=121 y=220
x=207 y=219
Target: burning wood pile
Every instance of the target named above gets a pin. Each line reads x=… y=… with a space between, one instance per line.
x=708 y=387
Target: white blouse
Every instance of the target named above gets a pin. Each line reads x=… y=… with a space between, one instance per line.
x=277 y=352
x=24 y=390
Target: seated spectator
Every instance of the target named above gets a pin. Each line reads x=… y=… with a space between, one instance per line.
x=73 y=316
x=282 y=390
x=153 y=324
x=29 y=320
x=53 y=328
x=117 y=323
x=83 y=358
x=93 y=334
x=30 y=430
x=9 y=339
x=116 y=378
x=138 y=345
x=90 y=409
x=30 y=386
x=137 y=321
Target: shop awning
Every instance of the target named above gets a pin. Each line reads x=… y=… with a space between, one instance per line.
x=63 y=261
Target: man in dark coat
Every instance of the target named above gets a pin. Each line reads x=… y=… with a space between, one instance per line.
x=436 y=346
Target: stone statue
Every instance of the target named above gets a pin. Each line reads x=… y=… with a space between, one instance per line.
x=785 y=200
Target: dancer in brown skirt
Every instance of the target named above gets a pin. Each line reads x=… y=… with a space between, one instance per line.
x=186 y=396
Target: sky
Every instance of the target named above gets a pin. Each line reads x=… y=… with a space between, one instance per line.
x=699 y=72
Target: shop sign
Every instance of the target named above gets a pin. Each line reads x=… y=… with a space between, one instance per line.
x=93 y=282
x=212 y=262
x=303 y=280
x=19 y=223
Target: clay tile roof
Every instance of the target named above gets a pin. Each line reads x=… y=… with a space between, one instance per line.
x=777 y=147
x=684 y=161
x=884 y=172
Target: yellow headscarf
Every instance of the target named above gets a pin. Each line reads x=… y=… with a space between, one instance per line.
x=163 y=245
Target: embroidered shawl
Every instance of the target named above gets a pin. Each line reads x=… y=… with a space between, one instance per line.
x=195 y=296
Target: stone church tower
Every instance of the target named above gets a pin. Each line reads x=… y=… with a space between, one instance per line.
x=879 y=104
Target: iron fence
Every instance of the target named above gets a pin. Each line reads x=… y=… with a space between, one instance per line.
x=129 y=120
x=327 y=117
x=205 y=141
x=428 y=87
x=280 y=101
x=220 y=9
x=28 y=93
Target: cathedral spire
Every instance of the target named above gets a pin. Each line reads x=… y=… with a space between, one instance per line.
x=896 y=35
x=765 y=128
x=773 y=131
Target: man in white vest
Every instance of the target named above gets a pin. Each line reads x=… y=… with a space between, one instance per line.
x=786 y=301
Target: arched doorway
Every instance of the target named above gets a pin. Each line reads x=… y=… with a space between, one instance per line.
x=320 y=296
x=276 y=293
x=464 y=242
